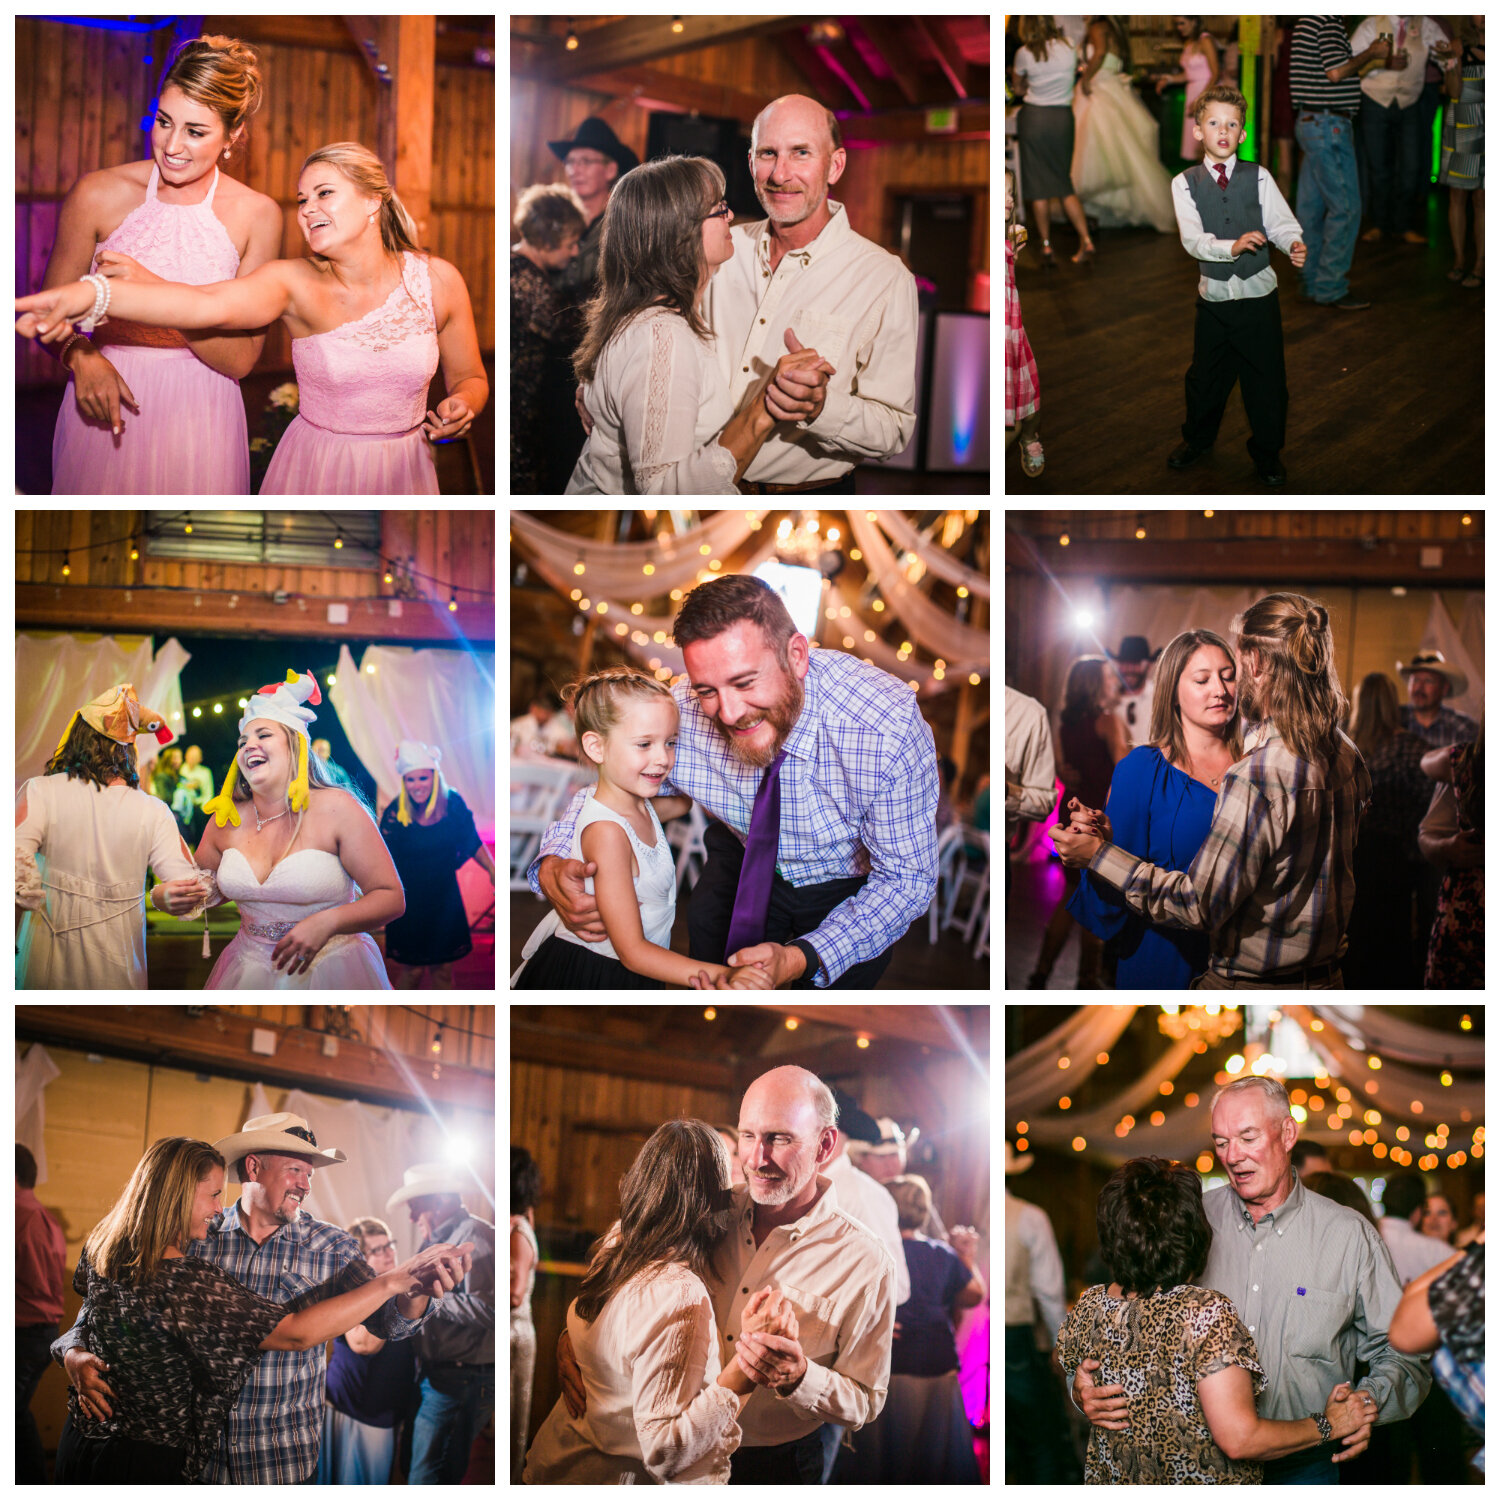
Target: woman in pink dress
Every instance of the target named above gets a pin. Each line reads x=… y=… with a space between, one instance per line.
x=370 y=317
x=1200 y=67
x=180 y=219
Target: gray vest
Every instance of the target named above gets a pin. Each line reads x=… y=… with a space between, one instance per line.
x=1229 y=215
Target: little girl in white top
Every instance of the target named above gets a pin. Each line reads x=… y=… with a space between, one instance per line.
x=627 y=726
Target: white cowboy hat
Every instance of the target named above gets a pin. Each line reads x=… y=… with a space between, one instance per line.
x=1432 y=661
x=428 y=1179
x=277 y=1135
x=1014 y=1163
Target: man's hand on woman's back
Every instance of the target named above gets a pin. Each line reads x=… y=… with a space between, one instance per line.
x=1104 y=1405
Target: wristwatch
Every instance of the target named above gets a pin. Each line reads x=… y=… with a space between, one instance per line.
x=1325 y=1428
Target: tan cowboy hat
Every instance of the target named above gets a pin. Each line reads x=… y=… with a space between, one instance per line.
x=277 y=1135
x=428 y=1179
x=1015 y=1163
x=1432 y=661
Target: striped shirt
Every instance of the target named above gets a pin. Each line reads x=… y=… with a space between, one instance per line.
x=858 y=796
x=1273 y=882
x=1320 y=43
x=1314 y=1284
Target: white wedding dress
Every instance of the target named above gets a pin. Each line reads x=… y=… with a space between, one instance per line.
x=1116 y=170
x=311 y=880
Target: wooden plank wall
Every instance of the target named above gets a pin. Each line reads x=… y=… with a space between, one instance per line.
x=456 y=545
x=82 y=91
x=546 y=1104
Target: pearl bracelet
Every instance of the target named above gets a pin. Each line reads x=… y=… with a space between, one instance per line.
x=102 y=293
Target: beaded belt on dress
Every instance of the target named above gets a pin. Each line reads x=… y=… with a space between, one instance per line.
x=268 y=931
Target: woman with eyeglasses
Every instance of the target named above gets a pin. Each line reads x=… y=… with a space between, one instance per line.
x=659 y=412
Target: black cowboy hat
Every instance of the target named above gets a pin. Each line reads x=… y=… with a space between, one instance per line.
x=595 y=135
x=1134 y=651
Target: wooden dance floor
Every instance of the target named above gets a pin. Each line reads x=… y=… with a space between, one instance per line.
x=1384 y=402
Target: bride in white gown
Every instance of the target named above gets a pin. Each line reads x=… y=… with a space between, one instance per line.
x=1116 y=170
x=302 y=860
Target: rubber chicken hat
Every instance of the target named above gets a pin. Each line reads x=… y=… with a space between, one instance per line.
x=118 y=715
x=284 y=703
x=413 y=755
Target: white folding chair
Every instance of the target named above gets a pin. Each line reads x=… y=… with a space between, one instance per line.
x=685 y=835
x=539 y=791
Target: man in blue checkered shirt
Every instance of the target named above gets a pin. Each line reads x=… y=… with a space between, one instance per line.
x=856 y=858
x=267 y=1242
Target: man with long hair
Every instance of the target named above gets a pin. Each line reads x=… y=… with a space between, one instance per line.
x=1273 y=883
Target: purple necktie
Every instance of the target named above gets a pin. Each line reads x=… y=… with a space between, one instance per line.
x=752 y=899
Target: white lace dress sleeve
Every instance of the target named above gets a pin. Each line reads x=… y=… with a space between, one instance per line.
x=673 y=404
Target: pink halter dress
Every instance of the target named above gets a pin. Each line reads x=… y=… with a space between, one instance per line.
x=362 y=396
x=189 y=436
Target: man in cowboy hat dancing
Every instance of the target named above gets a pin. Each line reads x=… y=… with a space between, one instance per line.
x=267 y=1242
x=456 y=1344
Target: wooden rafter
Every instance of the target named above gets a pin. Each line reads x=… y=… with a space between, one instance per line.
x=950 y=58
x=219 y=1042
x=642 y=39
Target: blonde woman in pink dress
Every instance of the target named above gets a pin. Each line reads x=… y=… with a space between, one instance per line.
x=181 y=219
x=371 y=319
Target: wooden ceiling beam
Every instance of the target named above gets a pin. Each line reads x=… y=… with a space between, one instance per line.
x=891 y=46
x=686 y=94
x=910 y=126
x=823 y=82
x=880 y=95
x=950 y=58
x=569 y=1049
x=1260 y=561
x=921 y=1024
x=159 y=612
x=216 y=1041
x=641 y=39
x=454 y=47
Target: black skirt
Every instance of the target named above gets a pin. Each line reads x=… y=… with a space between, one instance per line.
x=561 y=965
x=115 y=1459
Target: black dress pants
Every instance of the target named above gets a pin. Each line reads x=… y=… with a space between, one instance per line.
x=1238 y=341
x=794 y=911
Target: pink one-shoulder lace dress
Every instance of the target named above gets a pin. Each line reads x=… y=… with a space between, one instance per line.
x=189 y=435
x=362 y=396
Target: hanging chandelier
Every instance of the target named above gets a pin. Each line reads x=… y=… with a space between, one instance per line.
x=1206 y=1023
x=803 y=543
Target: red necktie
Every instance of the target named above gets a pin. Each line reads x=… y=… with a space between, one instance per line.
x=1223 y=179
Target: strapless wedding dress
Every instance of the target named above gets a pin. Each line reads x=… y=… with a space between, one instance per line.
x=311 y=880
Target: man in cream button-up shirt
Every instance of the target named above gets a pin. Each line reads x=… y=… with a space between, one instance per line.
x=803 y=271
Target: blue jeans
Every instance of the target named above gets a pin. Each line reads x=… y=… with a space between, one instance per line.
x=457 y=1402
x=1312 y=1466
x=1328 y=204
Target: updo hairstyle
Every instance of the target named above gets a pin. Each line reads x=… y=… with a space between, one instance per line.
x=221 y=74
x=598 y=701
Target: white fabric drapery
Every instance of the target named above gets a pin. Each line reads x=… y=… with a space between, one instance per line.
x=1462 y=646
x=380 y=1144
x=59 y=673
x=1032 y=1076
x=443 y=698
x=1390 y=1037
x=34 y=1072
x=615 y=571
x=928 y=624
x=937 y=559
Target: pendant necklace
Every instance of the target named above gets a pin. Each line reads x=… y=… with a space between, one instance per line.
x=261 y=822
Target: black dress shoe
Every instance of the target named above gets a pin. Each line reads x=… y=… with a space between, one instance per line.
x=1349 y=304
x=1275 y=476
x=1184 y=455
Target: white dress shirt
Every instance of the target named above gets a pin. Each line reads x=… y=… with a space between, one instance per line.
x=1414 y=1253
x=1282 y=230
x=841 y=1284
x=1400 y=86
x=871 y=1203
x=658 y=403
x=1029 y=760
x=853 y=302
x=655 y=1411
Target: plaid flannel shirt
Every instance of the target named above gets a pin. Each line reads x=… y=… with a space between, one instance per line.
x=1273 y=883
x=858 y=795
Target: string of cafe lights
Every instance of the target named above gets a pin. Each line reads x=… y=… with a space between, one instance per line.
x=1340 y=1106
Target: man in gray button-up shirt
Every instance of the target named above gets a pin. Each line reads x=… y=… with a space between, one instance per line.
x=1311 y=1280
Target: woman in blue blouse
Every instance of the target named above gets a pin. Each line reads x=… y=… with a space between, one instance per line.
x=1161 y=802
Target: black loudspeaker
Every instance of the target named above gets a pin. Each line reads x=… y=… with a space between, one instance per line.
x=723 y=141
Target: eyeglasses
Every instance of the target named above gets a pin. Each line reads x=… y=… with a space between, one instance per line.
x=723 y=211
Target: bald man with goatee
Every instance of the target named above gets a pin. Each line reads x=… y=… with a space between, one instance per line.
x=802 y=278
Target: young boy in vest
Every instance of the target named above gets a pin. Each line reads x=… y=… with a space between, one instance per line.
x=1226 y=211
